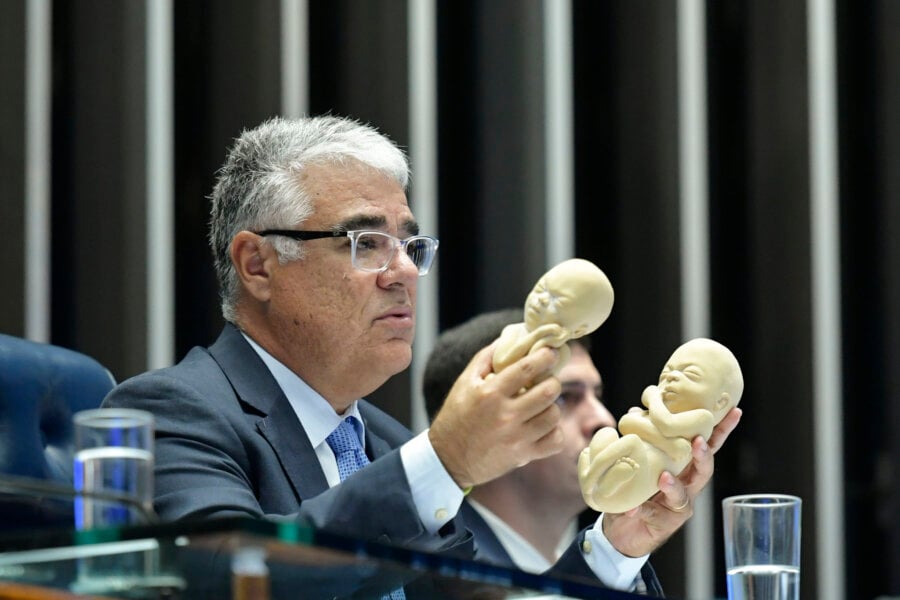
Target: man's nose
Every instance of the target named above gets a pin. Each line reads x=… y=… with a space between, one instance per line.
x=596 y=416
x=401 y=268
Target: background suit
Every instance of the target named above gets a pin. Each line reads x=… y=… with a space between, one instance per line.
x=489 y=549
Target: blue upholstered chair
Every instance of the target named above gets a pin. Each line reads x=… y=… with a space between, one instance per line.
x=41 y=387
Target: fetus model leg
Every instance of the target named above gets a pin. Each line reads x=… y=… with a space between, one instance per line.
x=616 y=472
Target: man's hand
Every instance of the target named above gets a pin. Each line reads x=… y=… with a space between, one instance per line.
x=643 y=529
x=488 y=425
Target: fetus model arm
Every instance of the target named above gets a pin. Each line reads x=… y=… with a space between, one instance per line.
x=699 y=384
x=645 y=427
x=687 y=424
x=569 y=301
x=516 y=341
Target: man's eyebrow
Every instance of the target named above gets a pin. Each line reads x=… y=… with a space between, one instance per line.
x=411 y=227
x=573 y=385
x=377 y=223
x=577 y=385
x=361 y=222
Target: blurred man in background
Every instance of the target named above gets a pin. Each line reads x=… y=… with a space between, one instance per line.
x=529 y=516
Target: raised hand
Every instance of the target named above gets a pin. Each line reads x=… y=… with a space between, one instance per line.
x=644 y=528
x=489 y=425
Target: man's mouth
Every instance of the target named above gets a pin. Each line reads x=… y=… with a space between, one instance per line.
x=401 y=315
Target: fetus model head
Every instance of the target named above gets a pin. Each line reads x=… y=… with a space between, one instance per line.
x=575 y=294
x=701 y=373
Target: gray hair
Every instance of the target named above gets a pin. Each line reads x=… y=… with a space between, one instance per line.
x=258 y=187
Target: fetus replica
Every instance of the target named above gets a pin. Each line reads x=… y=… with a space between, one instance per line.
x=699 y=384
x=569 y=301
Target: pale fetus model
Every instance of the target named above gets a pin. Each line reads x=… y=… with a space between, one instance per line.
x=699 y=384
x=569 y=301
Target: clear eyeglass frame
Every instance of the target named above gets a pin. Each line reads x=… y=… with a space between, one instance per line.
x=373 y=251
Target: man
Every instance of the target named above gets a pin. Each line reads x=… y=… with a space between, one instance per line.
x=527 y=517
x=318 y=256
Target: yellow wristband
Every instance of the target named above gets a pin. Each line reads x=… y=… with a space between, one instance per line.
x=467 y=490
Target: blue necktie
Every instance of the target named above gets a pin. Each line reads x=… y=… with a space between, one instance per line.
x=344 y=442
x=348 y=450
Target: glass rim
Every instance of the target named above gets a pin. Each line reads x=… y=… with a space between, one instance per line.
x=762 y=500
x=112 y=417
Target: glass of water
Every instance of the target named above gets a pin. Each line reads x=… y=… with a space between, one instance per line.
x=762 y=546
x=114 y=472
x=113 y=467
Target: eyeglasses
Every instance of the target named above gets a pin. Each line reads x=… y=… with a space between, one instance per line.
x=373 y=251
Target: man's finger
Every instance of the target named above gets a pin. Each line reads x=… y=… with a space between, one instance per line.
x=550 y=444
x=537 y=399
x=724 y=429
x=677 y=497
x=526 y=371
x=482 y=362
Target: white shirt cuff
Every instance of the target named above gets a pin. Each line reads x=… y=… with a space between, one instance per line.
x=435 y=494
x=610 y=566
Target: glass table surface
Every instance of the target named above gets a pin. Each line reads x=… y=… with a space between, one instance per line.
x=193 y=559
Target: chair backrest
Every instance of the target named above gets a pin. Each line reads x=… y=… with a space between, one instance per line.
x=41 y=387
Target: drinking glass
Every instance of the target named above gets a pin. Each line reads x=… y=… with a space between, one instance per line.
x=113 y=470
x=762 y=546
x=113 y=458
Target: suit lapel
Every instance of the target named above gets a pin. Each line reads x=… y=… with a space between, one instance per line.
x=487 y=545
x=285 y=434
x=376 y=445
x=277 y=422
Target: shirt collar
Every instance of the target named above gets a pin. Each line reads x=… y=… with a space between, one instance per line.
x=523 y=554
x=316 y=415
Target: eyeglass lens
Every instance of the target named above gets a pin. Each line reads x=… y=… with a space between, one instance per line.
x=375 y=250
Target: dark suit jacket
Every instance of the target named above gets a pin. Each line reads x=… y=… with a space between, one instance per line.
x=228 y=443
x=489 y=549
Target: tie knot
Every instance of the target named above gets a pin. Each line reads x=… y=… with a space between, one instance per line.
x=348 y=451
x=345 y=437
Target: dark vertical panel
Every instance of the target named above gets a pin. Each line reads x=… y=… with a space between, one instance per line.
x=358 y=68
x=509 y=222
x=729 y=176
x=731 y=243
x=760 y=207
x=491 y=176
x=627 y=197
x=227 y=61
x=359 y=64
x=863 y=246
x=627 y=183
x=12 y=165
x=98 y=186
x=459 y=163
x=780 y=408
x=596 y=67
x=886 y=98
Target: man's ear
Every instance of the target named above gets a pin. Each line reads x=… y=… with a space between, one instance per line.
x=253 y=259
